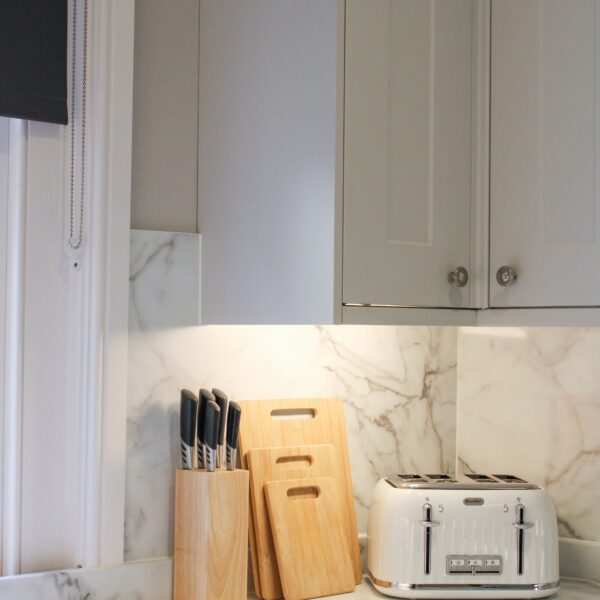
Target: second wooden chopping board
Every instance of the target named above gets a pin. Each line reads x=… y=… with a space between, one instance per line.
x=277 y=464
x=297 y=422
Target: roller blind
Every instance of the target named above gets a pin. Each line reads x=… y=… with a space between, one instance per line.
x=33 y=60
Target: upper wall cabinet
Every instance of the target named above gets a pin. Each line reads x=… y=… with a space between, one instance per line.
x=545 y=210
x=336 y=160
x=268 y=160
x=408 y=141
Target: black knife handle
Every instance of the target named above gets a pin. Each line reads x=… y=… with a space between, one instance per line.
x=205 y=396
x=212 y=434
x=187 y=427
x=187 y=417
x=234 y=415
x=222 y=401
x=212 y=424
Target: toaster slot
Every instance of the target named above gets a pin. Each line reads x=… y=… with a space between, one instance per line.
x=410 y=477
x=520 y=525
x=428 y=524
x=479 y=478
x=440 y=478
x=509 y=478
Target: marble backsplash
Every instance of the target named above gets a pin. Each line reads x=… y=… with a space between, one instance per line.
x=525 y=400
x=398 y=385
x=529 y=402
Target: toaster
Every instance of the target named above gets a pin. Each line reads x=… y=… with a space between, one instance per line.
x=474 y=536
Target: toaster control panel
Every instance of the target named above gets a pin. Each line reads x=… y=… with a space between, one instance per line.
x=479 y=564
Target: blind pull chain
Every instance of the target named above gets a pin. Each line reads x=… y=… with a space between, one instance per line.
x=76 y=239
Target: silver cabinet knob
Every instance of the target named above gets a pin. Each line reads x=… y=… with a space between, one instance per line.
x=459 y=277
x=506 y=276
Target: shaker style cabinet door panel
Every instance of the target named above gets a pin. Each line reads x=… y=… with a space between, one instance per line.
x=544 y=209
x=407 y=160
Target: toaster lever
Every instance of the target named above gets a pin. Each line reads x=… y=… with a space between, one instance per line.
x=428 y=524
x=521 y=525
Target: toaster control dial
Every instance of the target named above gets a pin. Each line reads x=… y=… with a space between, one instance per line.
x=480 y=564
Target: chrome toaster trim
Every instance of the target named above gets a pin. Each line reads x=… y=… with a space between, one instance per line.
x=396 y=585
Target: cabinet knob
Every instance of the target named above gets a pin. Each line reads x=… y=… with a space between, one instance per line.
x=459 y=277
x=506 y=276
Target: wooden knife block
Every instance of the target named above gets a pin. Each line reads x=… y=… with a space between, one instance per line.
x=211 y=535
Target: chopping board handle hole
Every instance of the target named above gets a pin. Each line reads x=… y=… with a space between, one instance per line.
x=304 y=493
x=297 y=462
x=293 y=413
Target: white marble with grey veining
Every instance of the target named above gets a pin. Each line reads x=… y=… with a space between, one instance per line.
x=398 y=385
x=140 y=580
x=529 y=403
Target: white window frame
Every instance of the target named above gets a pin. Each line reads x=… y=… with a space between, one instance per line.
x=93 y=392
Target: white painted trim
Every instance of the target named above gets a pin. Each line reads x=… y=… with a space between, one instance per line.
x=105 y=283
x=13 y=347
x=117 y=193
x=4 y=129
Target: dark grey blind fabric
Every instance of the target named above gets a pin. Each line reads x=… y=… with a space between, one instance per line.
x=33 y=60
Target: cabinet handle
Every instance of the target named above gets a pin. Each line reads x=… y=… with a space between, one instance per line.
x=506 y=276
x=459 y=277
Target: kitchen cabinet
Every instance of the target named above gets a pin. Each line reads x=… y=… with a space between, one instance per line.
x=408 y=142
x=544 y=197
x=358 y=159
x=336 y=160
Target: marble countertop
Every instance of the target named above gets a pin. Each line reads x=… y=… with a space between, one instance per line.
x=571 y=589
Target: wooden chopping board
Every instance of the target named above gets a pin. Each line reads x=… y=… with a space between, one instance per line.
x=307 y=520
x=277 y=464
x=297 y=422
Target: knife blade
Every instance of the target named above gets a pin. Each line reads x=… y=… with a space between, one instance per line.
x=187 y=427
x=212 y=434
x=222 y=400
x=234 y=414
x=205 y=397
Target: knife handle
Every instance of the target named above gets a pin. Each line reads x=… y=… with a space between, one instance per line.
x=234 y=415
x=205 y=396
x=212 y=434
x=187 y=427
x=222 y=400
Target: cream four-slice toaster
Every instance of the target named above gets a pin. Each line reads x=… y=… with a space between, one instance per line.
x=477 y=536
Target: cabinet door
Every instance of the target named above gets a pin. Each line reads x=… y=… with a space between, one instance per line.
x=544 y=210
x=407 y=157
